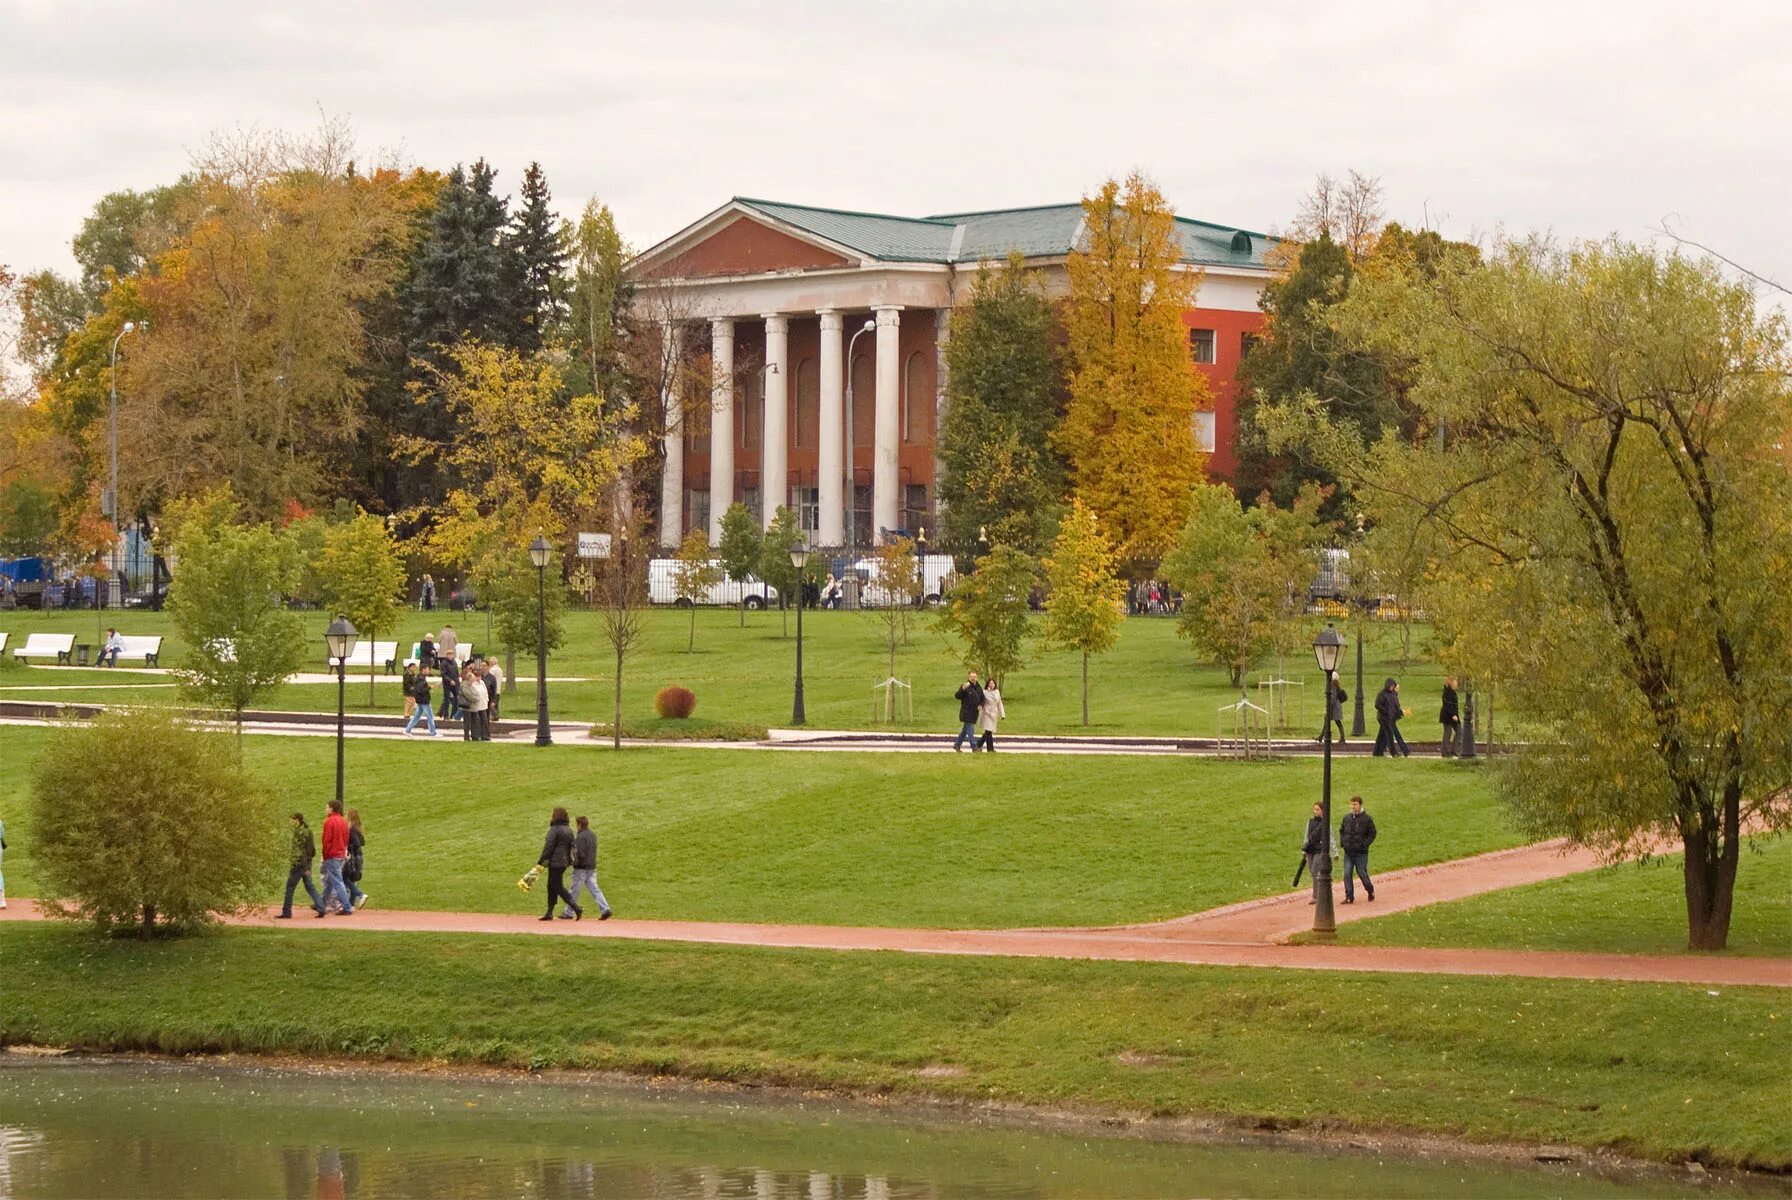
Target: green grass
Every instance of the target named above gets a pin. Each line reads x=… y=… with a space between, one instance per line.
x=1664 y=1071
x=1626 y=909
x=1150 y=683
x=841 y=837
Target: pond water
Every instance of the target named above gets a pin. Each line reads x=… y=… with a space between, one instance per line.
x=85 y=1128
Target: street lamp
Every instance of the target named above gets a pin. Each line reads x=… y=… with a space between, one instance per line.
x=852 y=498
x=339 y=640
x=1362 y=608
x=1328 y=648
x=799 y=556
x=111 y=505
x=539 y=553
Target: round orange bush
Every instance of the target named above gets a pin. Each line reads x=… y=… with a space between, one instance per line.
x=675 y=703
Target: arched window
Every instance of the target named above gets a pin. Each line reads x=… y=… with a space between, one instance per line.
x=805 y=405
x=752 y=409
x=864 y=400
x=917 y=399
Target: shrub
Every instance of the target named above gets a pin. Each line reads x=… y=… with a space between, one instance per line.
x=145 y=819
x=675 y=703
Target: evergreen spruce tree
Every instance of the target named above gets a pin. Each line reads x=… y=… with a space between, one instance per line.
x=462 y=282
x=537 y=260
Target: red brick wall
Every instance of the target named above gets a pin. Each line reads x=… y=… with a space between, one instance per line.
x=1222 y=376
x=745 y=247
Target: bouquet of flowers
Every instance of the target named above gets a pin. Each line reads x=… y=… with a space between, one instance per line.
x=529 y=878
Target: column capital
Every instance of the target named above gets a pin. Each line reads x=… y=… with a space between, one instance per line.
x=830 y=317
x=721 y=327
x=775 y=322
x=889 y=316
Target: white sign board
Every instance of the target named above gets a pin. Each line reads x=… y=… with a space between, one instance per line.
x=594 y=545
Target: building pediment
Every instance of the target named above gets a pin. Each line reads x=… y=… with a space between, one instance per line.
x=735 y=240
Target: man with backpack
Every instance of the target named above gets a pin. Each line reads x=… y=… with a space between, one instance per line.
x=304 y=849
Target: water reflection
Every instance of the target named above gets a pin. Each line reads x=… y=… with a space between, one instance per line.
x=94 y=1129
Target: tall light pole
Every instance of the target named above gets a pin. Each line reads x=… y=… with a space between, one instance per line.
x=111 y=504
x=339 y=639
x=1356 y=719
x=852 y=490
x=539 y=553
x=1328 y=648
x=799 y=556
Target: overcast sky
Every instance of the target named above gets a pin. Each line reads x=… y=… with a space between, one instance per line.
x=1578 y=118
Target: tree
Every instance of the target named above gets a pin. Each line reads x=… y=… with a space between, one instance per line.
x=1347 y=212
x=537 y=259
x=987 y=611
x=774 y=560
x=1236 y=569
x=228 y=601
x=622 y=595
x=27 y=518
x=599 y=294
x=180 y=831
x=362 y=577
x=1085 y=593
x=1609 y=500
x=1000 y=471
x=896 y=580
x=1128 y=432
x=742 y=547
x=520 y=600
x=694 y=575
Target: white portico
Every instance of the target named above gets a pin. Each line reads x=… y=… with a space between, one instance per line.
x=819 y=336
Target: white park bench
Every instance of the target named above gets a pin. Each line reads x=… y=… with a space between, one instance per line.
x=371 y=654
x=149 y=649
x=462 y=652
x=47 y=645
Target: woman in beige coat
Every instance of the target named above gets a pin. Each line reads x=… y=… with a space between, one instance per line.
x=991 y=712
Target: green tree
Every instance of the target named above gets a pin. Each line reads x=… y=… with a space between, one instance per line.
x=622 y=596
x=1084 y=591
x=774 y=560
x=1237 y=569
x=228 y=600
x=742 y=547
x=987 y=612
x=1129 y=430
x=598 y=299
x=362 y=576
x=896 y=581
x=1000 y=472
x=1609 y=501
x=179 y=833
x=516 y=596
x=694 y=575
x=538 y=260
x=27 y=518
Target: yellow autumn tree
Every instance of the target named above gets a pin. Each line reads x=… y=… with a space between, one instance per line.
x=1129 y=430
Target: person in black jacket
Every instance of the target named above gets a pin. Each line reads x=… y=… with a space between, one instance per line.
x=1334 y=713
x=304 y=850
x=556 y=856
x=970 y=706
x=1387 y=720
x=584 y=870
x=1356 y=832
x=1450 y=716
x=1316 y=847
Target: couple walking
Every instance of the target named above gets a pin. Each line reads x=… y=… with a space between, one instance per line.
x=980 y=708
x=1356 y=833
x=564 y=849
x=344 y=844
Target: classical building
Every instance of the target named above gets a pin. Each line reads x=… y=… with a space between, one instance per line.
x=800 y=309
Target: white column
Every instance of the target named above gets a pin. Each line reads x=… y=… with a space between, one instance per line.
x=672 y=405
x=774 y=456
x=831 y=528
x=886 y=438
x=721 y=424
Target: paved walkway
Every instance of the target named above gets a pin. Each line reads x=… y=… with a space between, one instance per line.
x=1251 y=934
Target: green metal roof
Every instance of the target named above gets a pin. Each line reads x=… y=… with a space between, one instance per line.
x=1046 y=231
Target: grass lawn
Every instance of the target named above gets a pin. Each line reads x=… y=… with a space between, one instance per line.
x=1627 y=909
x=1663 y=1071
x=1150 y=683
x=835 y=837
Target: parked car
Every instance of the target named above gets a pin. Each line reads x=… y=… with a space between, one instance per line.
x=662 y=588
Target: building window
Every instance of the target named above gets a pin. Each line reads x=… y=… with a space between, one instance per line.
x=916 y=514
x=864 y=401
x=1200 y=345
x=862 y=532
x=1247 y=343
x=1204 y=431
x=696 y=510
x=752 y=411
x=807 y=502
x=914 y=404
x=805 y=403
x=749 y=496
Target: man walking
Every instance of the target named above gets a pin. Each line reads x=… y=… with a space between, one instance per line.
x=1451 y=718
x=970 y=707
x=1316 y=847
x=1334 y=712
x=304 y=849
x=1387 y=721
x=584 y=872
x=1356 y=832
x=494 y=683
x=335 y=854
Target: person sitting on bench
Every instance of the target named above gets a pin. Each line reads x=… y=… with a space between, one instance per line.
x=112 y=649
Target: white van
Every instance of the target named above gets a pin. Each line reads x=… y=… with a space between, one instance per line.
x=662 y=588
x=933 y=569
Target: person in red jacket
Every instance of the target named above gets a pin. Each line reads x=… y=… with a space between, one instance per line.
x=335 y=839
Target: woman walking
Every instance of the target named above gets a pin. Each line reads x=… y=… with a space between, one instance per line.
x=989 y=713
x=556 y=856
x=472 y=705
x=421 y=693
x=351 y=870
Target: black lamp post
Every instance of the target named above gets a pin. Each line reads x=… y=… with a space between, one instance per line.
x=1362 y=612
x=1328 y=648
x=339 y=639
x=539 y=553
x=799 y=557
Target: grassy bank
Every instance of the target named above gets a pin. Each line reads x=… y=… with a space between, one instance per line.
x=1660 y=1071
x=1627 y=909
x=839 y=838
x=1150 y=683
